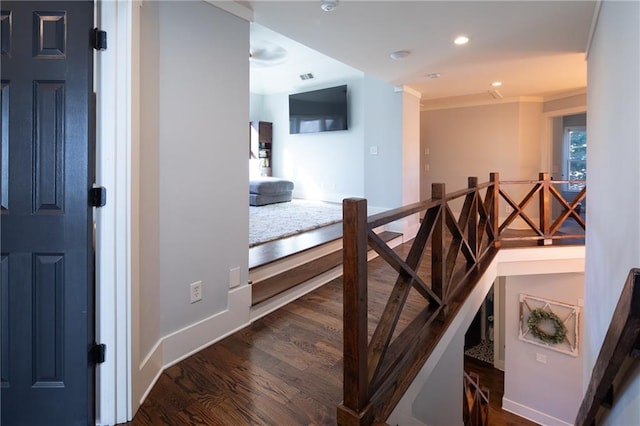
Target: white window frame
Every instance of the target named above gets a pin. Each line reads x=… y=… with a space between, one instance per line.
x=566 y=141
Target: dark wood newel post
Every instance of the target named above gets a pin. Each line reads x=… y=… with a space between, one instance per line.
x=438 y=259
x=353 y=410
x=495 y=207
x=545 y=208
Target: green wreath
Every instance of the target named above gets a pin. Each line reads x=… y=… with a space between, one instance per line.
x=537 y=316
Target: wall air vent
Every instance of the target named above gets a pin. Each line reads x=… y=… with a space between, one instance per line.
x=307 y=76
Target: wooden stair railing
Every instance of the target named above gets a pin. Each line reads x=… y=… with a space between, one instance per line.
x=446 y=259
x=475 y=401
x=545 y=231
x=621 y=341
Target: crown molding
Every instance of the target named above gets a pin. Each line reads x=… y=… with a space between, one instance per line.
x=592 y=30
x=568 y=94
x=408 y=90
x=233 y=7
x=472 y=101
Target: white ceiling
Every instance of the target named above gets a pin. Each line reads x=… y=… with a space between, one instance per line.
x=536 y=48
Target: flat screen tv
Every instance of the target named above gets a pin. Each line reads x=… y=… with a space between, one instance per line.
x=321 y=110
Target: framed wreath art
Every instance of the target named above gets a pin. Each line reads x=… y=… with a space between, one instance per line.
x=553 y=325
x=559 y=329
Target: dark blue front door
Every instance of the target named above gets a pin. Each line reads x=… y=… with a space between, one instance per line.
x=47 y=258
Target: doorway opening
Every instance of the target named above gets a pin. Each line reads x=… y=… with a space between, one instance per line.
x=569 y=158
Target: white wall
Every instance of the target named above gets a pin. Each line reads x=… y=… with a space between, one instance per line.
x=193 y=222
x=202 y=165
x=545 y=393
x=383 y=114
x=469 y=141
x=529 y=140
x=410 y=158
x=255 y=107
x=324 y=166
x=439 y=402
x=613 y=229
x=506 y=137
x=331 y=166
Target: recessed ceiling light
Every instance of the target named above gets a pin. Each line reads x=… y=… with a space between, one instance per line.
x=433 y=75
x=399 y=54
x=460 y=40
x=496 y=84
x=328 y=5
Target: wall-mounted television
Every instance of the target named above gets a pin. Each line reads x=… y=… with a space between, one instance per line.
x=321 y=110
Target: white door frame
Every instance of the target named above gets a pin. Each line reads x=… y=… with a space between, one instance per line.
x=113 y=77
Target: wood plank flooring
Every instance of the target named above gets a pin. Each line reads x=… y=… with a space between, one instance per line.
x=284 y=369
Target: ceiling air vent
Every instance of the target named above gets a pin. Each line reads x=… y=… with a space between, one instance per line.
x=307 y=76
x=495 y=94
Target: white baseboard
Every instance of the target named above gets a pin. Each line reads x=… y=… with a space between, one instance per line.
x=531 y=414
x=185 y=342
x=148 y=374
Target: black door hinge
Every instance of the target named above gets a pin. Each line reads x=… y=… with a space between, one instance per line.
x=98 y=353
x=99 y=39
x=98 y=196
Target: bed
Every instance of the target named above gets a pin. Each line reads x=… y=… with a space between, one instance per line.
x=268 y=190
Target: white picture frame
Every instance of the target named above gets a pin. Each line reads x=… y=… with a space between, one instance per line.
x=568 y=314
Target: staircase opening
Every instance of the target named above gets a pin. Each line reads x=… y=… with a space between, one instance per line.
x=479 y=338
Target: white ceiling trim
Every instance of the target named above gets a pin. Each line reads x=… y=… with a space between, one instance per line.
x=451 y=103
x=408 y=90
x=594 y=25
x=234 y=8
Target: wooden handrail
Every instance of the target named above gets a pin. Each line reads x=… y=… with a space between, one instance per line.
x=619 y=342
x=447 y=257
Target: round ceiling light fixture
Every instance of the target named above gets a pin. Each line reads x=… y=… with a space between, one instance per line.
x=496 y=84
x=266 y=54
x=328 y=5
x=433 y=75
x=460 y=40
x=399 y=54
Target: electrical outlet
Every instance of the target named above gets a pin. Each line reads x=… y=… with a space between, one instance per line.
x=541 y=358
x=195 y=291
x=508 y=209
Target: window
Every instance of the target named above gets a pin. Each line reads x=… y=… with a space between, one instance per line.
x=575 y=144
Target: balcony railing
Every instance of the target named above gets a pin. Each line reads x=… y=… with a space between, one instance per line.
x=447 y=257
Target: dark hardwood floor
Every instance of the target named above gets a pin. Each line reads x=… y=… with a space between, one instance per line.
x=284 y=369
